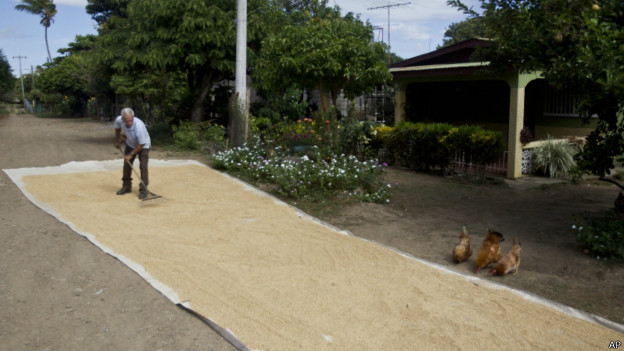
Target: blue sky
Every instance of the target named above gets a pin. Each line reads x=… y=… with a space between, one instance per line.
x=415 y=28
x=21 y=34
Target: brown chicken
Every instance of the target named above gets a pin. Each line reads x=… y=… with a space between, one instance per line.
x=462 y=251
x=509 y=262
x=489 y=252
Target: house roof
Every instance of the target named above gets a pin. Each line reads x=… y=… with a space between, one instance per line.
x=454 y=60
x=452 y=54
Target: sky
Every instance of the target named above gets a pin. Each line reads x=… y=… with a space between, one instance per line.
x=416 y=27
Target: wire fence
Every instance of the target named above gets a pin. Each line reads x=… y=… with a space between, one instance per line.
x=465 y=165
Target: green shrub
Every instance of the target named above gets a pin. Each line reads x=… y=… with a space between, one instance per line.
x=160 y=133
x=419 y=145
x=189 y=135
x=602 y=237
x=554 y=157
x=427 y=146
x=186 y=135
x=486 y=146
x=479 y=145
x=355 y=137
x=212 y=132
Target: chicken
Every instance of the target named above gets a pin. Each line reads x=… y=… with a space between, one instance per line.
x=489 y=252
x=462 y=251
x=509 y=262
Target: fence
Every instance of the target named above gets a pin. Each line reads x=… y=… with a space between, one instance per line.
x=462 y=164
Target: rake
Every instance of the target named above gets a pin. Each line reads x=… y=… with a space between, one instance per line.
x=150 y=195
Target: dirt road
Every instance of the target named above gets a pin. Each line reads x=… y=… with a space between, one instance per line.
x=57 y=290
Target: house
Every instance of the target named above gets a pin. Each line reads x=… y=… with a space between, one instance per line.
x=449 y=85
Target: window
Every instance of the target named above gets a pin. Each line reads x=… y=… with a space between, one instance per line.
x=561 y=102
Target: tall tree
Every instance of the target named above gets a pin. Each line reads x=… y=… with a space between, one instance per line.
x=464 y=30
x=43 y=8
x=332 y=54
x=102 y=10
x=194 y=38
x=7 y=80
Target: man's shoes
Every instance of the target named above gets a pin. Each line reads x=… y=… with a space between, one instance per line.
x=143 y=195
x=123 y=191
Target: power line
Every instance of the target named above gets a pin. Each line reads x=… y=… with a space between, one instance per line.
x=388 y=6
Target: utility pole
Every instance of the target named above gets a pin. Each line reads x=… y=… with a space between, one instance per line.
x=240 y=97
x=241 y=50
x=388 y=7
x=20 y=57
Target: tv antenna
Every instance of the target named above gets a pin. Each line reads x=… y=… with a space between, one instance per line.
x=388 y=7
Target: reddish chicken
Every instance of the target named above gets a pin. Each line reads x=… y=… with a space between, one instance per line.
x=462 y=251
x=509 y=262
x=489 y=252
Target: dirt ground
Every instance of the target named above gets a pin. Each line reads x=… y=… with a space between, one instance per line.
x=58 y=291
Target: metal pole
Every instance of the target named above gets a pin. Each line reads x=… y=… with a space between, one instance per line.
x=20 y=57
x=388 y=7
x=241 y=59
x=388 y=34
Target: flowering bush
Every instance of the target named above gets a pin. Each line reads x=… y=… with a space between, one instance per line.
x=307 y=177
x=602 y=237
x=303 y=132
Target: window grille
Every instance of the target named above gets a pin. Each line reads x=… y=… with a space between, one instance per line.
x=561 y=102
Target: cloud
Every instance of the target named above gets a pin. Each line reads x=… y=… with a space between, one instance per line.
x=13 y=32
x=413 y=31
x=77 y=3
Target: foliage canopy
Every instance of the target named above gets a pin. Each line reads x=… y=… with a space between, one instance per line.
x=576 y=43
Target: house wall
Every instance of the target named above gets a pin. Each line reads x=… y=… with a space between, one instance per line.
x=561 y=127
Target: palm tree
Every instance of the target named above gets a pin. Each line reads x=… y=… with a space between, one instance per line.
x=44 y=8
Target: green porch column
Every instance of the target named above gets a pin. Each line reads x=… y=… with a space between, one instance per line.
x=517 y=83
x=399 y=102
x=516 y=121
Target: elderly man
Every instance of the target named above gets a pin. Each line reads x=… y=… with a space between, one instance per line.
x=137 y=143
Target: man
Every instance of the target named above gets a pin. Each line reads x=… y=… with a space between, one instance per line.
x=137 y=143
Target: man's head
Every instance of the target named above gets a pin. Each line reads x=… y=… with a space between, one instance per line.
x=127 y=115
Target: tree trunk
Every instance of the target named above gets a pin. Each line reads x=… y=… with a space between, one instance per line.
x=197 y=111
x=47 y=46
x=322 y=96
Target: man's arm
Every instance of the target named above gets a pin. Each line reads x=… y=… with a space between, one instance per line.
x=134 y=152
x=117 y=135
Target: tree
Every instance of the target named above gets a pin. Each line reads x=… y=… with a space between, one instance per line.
x=330 y=53
x=464 y=30
x=44 y=8
x=102 y=10
x=194 y=38
x=575 y=43
x=7 y=80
